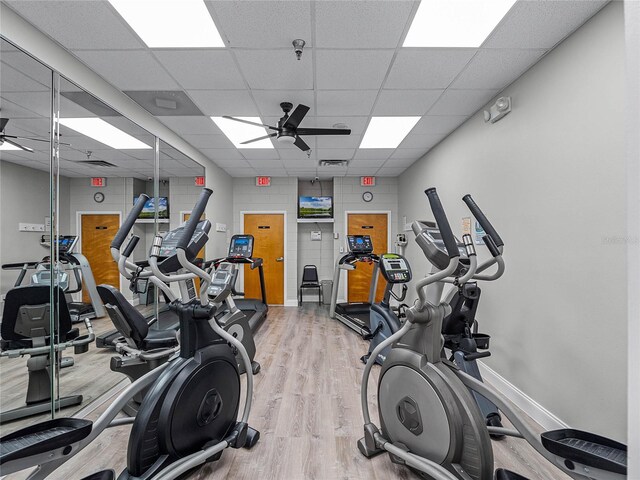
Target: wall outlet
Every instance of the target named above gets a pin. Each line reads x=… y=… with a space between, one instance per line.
x=341 y=249
x=221 y=227
x=31 y=227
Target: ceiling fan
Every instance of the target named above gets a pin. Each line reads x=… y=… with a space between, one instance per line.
x=287 y=130
x=5 y=138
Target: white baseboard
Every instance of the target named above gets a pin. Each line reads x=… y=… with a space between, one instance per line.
x=524 y=402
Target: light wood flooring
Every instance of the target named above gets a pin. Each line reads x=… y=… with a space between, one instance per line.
x=306 y=406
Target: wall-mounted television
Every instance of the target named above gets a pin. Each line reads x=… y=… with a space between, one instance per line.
x=315 y=207
x=150 y=207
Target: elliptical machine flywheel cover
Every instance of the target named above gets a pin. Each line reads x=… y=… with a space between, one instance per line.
x=201 y=405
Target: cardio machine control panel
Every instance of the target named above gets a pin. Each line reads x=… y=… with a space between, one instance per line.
x=395 y=268
x=167 y=252
x=429 y=238
x=241 y=246
x=359 y=244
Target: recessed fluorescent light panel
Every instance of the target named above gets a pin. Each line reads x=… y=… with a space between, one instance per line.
x=387 y=132
x=104 y=132
x=170 y=23
x=455 y=23
x=8 y=146
x=241 y=132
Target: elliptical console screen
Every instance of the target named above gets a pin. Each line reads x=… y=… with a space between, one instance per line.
x=359 y=243
x=66 y=243
x=395 y=268
x=241 y=246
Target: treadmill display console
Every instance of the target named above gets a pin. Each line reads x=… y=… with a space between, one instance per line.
x=66 y=243
x=359 y=243
x=241 y=246
x=395 y=268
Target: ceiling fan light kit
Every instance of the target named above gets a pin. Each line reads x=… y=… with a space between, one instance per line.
x=287 y=130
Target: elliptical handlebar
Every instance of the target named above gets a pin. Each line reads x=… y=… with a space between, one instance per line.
x=483 y=220
x=126 y=227
x=443 y=223
x=192 y=223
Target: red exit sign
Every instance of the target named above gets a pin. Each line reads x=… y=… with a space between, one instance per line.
x=98 y=182
x=263 y=181
x=199 y=181
x=367 y=181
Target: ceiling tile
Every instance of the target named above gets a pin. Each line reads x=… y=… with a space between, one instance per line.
x=335 y=153
x=12 y=80
x=224 y=154
x=496 y=68
x=269 y=102
x=358 y=171
x=241 y=172
x=362 y=24
x=408 y=153
x=373 y=153
x=367 y=163
x=79 y=24
x=28 y=66
x=191 y=125
x=352 y=69
x=201 y=69
x=338 y=141
x=356 y=124
x=208 y=141
x=34 y=126
x=128 y=70
x=292 y=153
x=421 y=141
x=405 y=102
x=433 y=124
x=461 y=102
x=224 y=102
x=228 y=162
x=425 y=68
x=259 y=153
x=541 y=23
x=346 y=102
x=265 y=163
x=263 y=24
x=275 y=69
x=390 y=172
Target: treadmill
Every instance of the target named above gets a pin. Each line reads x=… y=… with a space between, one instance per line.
x=241 y=253
x=355 y=315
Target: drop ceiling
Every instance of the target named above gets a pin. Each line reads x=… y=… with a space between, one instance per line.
x=353 y=67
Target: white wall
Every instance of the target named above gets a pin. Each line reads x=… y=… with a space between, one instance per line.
x=24 y=198
x=347 y=194
x=551 y=176
x=632 y=31
x=282 y=195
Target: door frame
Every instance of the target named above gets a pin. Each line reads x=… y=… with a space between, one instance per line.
x=345 y=286
x=286 y=247
x=79 y=214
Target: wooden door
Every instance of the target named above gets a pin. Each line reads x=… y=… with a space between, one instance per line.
x=97 y=232
x=359 y=280
x=268 y=234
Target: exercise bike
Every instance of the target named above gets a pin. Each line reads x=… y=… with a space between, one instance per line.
x=188 y=417
x=430 y=422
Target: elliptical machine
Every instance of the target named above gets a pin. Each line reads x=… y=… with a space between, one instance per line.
x=188 y=417
x=429 y=419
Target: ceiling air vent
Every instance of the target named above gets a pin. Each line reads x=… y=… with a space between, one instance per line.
x=97 y=163
x=334 y=163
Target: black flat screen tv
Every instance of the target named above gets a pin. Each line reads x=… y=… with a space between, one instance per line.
x=315 y=207
x=149 y=208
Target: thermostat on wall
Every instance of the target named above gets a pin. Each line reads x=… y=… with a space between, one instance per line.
x=316 y=235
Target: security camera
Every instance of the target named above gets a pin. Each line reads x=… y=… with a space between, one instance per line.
x=149 y=179
x=298 y=45
x=316 y=179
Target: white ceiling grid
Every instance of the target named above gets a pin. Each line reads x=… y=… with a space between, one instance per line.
x=353 y=67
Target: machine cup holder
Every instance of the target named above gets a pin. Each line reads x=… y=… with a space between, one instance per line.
x=78 y=349
x=482 y=340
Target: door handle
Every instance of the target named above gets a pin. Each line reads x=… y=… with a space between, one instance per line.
x=280 y=259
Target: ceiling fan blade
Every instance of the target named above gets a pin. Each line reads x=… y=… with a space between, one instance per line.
x=301 y=145
x=259 y=138
x=249 y=122
x=3 y=123
x=296 y=116
x=21 y=147
x=34 y=139
x=324 y=131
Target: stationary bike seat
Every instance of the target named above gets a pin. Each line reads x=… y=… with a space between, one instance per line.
x=43 y=437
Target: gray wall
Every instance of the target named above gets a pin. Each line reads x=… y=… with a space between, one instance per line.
x=24 y=198
x=282 y=195
x=551 y=175
x=347 y=194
